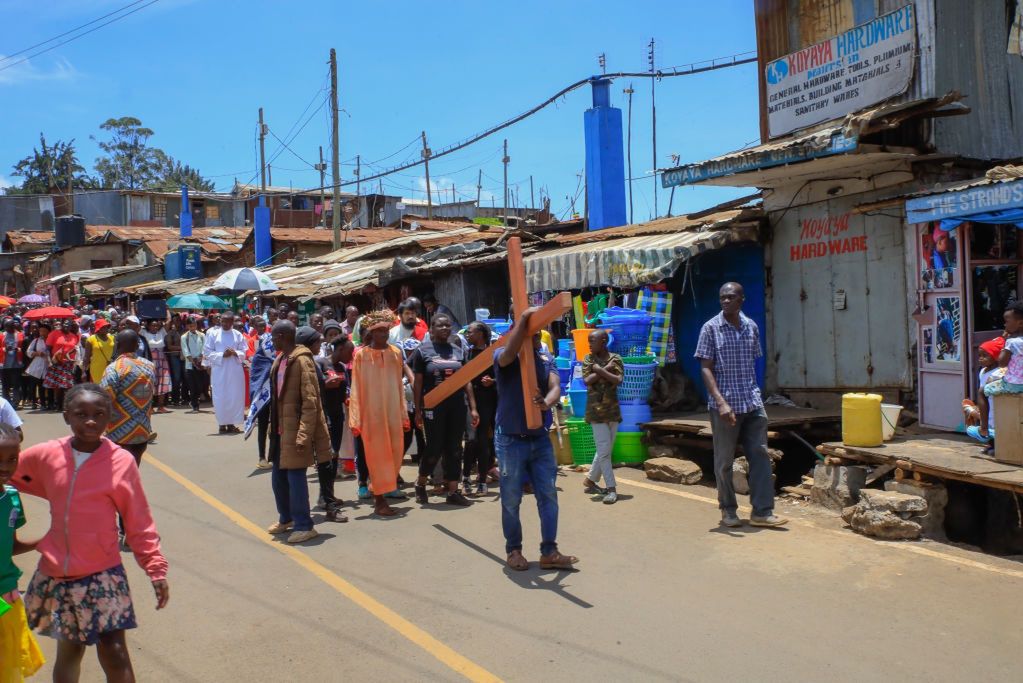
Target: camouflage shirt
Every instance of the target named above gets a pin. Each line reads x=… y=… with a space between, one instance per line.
x=602 y=396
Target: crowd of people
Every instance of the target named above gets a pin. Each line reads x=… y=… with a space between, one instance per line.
x=310 y=390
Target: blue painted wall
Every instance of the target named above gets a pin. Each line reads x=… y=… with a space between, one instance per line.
x=605 y=159
x=699 y=303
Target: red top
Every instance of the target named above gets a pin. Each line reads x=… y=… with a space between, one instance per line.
x=62 y=344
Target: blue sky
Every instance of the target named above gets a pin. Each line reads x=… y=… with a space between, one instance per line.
x=196 y=71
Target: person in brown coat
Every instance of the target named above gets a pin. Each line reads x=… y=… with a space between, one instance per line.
x=298 y=432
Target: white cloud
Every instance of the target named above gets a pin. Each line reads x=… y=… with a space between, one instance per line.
x=5 y=183
x=27 y=72
x=463 y=191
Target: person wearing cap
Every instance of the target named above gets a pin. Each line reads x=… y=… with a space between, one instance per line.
x=980 y=417
x=133 y=323
x=298 y=431
x=99 y=351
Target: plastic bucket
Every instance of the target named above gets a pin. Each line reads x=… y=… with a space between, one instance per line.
x=633 y=415
x=565 y=348
x=582 y=342
x=482 y=313
x=628 y=449
x=889 y=419
x=578 y=399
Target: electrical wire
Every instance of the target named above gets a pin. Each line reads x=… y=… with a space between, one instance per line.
x=61 y=35
x=80 y=35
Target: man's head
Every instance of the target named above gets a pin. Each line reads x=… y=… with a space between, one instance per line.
x=351 y=314
x=326 y=312
x=191 y=324
x=731 y=296
x=132 y=323
x=259 y=324
x=127 y=341
x=308 y=337
x=598 y=341
x=227 y=320
x=408 y=312
x=430 y=302
x=292 y=317
x=316 y=322
x=9 y=325
x=271 y=316
x=284 y=336
x=282 y=311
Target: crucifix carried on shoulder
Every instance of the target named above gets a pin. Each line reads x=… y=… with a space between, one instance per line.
x=554 y=309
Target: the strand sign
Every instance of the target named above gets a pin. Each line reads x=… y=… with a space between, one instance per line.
x=863 y=66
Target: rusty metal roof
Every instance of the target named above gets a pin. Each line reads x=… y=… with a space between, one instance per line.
x=700 y=222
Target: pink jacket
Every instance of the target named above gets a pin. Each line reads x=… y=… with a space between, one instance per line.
x=83 y=537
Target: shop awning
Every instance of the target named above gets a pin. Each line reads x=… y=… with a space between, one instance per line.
x=628 y=263
x=996 y=198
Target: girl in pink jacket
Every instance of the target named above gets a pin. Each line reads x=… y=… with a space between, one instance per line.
x=79 y=594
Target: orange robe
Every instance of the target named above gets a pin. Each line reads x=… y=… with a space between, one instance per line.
x=376 y=408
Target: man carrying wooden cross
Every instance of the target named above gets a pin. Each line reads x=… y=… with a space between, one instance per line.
x=527 y=389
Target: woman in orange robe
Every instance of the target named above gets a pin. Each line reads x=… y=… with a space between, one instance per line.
x=376 y=408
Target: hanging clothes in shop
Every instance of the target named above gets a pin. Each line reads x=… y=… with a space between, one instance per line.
x=658 y=305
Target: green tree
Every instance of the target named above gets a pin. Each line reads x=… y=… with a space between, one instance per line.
x=130 y=163
x=175 y=174
x=50 y=167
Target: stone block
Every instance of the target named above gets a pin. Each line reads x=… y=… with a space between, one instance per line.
x=673 y=470
x=662 y=451
x=837 y=487
x=936 y=496
x=883 y=524
x=892 y=501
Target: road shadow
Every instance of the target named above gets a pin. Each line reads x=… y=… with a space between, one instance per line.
x=599 y=497
x=257 y=472
x=745 y=530
x=524 y=579
x=399 y=513
x=320 y=539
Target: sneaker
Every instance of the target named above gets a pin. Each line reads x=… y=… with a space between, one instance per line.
x=768 y=521
x=466 y=486
x=482 y=489
x=278 y=528
x=364 y=493
x=458 y=499
x=610 y=498
x=264 y=464
x=302 y=536
x=397 y=494
x=731 y=520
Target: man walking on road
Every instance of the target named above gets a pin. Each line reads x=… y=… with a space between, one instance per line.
x=523 y=452
x=192 y=343
x=728 y=348
x=130 y=381
x=298 y=432
x=224 y=351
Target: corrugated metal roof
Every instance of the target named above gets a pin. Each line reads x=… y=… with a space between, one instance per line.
x=426 y=239
x=89 y=275
x=713 y=221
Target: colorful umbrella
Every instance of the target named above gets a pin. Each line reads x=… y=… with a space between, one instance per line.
x=6 y=301
x=33 y=299
x=202 y=302
x=245 y=280
x=49 y=312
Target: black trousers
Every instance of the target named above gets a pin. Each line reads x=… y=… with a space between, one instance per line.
x=420 y=439
x=262 y=427
x=195 y=379
x=335 y=415
x=444 y=432
x=480 y=451
x=31 y=389
x=11 y=378
x=361 y=468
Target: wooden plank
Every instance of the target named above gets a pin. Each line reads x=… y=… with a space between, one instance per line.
x=527 y=359
x=777 y=416
x=552 y=310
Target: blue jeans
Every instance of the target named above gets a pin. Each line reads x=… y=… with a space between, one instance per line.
x=750 y=430
x=291 y=492
x=520 y=457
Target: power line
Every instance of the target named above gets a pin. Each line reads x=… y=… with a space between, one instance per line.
x=61 y=35
x=296 y=154
x=80 y=35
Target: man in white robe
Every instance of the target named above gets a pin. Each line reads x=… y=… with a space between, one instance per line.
x=225 y=354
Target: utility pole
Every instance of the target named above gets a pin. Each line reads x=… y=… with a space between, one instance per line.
x=322 y=168
x=426 y=162
x=270 y=174
x=262 y=153
x=479 y=188
x=532 y=200
x=335 y=163
x=653 y=114
x=453 y=198
x=628 y=91
x=675 y=158
x=358 y=192
x=505 y=161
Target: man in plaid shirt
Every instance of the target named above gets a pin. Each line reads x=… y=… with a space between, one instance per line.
x=728 y=348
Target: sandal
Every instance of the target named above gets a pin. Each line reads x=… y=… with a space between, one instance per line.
x=590 y=487
x=517 y=562
x=384 y=510
x=558 y=561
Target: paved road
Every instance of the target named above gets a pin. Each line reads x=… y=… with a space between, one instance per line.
x=663 y=593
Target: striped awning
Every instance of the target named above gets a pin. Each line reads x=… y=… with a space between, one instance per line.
x=627 y=263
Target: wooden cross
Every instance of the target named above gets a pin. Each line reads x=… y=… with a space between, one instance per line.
x=554 y=309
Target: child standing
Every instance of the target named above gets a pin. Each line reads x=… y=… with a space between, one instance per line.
x=603 y=371
x=19 y=652
x=79 y=594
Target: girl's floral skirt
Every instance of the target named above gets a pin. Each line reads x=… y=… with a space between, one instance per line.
x=80 y=610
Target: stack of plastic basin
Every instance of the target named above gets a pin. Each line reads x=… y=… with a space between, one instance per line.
x=566 y=348
x=634 y=415
x=580 y=435
x=628 y=449
x=629 y=328
x=638 y=379
x=578 y=399
x=564 y=367
x=497 y=325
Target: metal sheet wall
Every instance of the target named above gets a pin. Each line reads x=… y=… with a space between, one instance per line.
x=815 y=342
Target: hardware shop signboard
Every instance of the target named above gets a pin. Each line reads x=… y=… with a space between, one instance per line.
x=863 y=66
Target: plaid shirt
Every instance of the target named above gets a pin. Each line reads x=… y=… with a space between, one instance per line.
x=734 y=352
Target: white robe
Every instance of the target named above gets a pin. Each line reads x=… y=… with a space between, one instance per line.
x=228 y=375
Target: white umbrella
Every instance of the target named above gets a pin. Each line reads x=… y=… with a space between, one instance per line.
x=244 y=280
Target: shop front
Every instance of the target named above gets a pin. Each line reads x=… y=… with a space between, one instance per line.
x=968 y=254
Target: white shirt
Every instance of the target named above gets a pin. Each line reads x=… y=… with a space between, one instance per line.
x=79 y=457
x=155 y=339
x=8 y=415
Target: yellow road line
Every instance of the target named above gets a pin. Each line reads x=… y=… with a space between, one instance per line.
x=407 y=629
x=894 y=545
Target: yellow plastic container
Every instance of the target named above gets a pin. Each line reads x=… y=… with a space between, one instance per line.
x=861 y=420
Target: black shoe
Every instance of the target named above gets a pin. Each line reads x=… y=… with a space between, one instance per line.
x=421 y=497
x=458 y=499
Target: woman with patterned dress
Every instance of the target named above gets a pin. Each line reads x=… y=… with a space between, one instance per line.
x=63 y=346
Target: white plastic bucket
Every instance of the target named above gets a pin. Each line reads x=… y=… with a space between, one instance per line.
x=889 y=418
x=482 y=313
